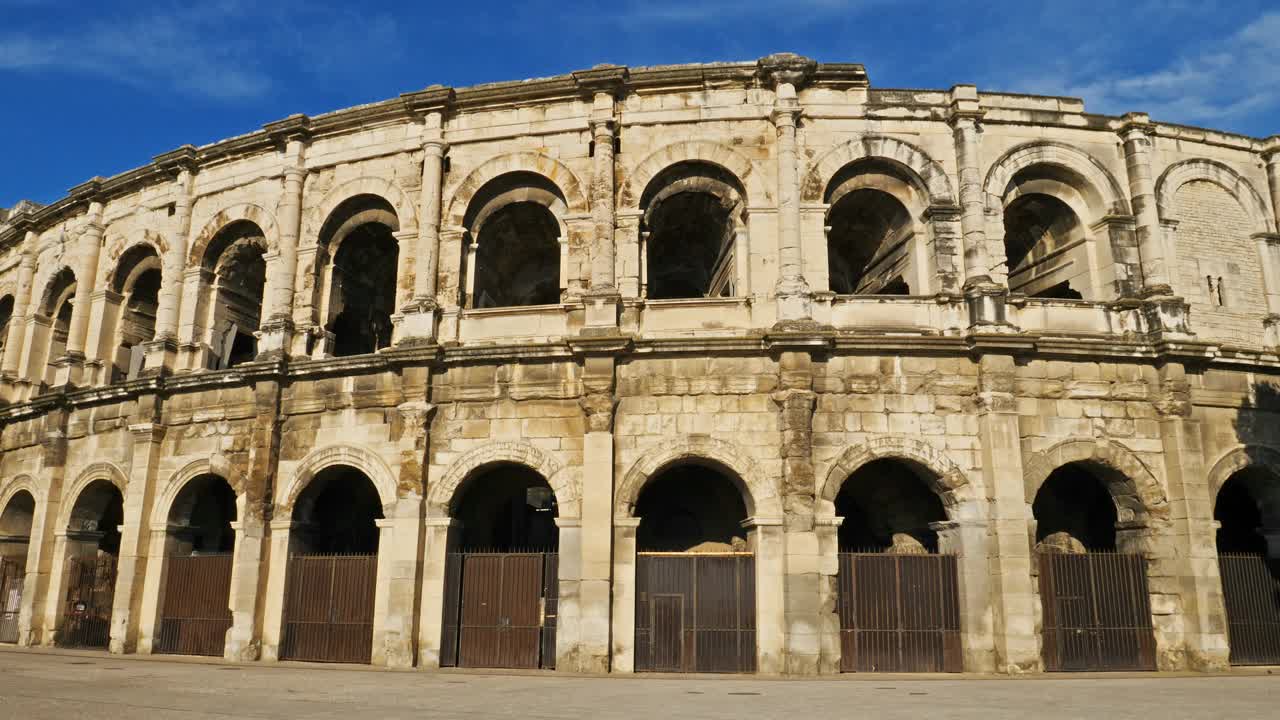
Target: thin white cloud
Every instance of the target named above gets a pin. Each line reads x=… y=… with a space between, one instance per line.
x=225 y=50
x=1234 y=77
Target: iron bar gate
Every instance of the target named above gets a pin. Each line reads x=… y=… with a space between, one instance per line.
x=196 y=614
x=1097 y=612
x=695 y=612
x=11 y=577
x=328 y=608
x=899 y=613
x=1251 y=592
x=91 y=588
x=500 y=610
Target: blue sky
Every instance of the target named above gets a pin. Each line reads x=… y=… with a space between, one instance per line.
x=96 y=88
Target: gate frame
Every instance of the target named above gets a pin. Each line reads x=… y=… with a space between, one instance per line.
x=546 y=661
x=153 y=640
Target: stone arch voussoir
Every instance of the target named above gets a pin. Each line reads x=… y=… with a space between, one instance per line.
x=760 y=496
x=1138 y=494
x=361 y=458
x=249 y=212
x=215 y=464
x=1220 y=174
x=559 y=174
x=942 y=474
x=21 y=483
x=925 y=172
x=1100 y=180
x=383 y=188
x=102 y=470
x=444 y=492
x=737 y=164
x=1241 y=458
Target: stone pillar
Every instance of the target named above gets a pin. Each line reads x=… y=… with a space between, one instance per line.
x=1269 y=256
x=1156 y=272
x=23 y=305
x=439 y=538
x=986 y=299
x=786 y=73
x=160 y=546
x=602 y=298
x=1185 y=553
x=596 y=533
x=1013 y=598
x=161 y=351
x=767 y=539
x=99 y=345
x=135 y=534
x=968 y=541
x=430 y=105
x=243 y=642
x=273 y=602
x=43 y=587
x=393 y=607
x=624 y=594
x=276 y=331
x=87 y=251
x=46 y=633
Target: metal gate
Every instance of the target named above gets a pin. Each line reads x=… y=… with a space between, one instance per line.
x=11 y=577
x=1097 y=612
x=500 y=610
x=695 y=612
x=91 y=588
x=1251 y=592
x=197 y=613
x=899 y=613
x=328 y=608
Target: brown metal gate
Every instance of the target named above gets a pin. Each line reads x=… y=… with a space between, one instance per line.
x=91 y=588
x=695 y=612
x=328 y=608
x=1251 y=592
x=899 y=613
x=11 y=577
x=1097 y=612
x=500 y=610
x=197 y=613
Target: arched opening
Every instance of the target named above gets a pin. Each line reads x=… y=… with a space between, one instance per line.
x=1047 y=210
x=1074 y=512
x=6 y=318
x=59 y=298
x=516 y=251
x=361 y=281
x=15 y=539
x=232 y=304
x=195 y=595
x=1248 y=512
x=898 y=599
x=695 y=573
x=502 y=583
x=508 y=508
x=1095 y=602
x=691 y=508
x=93 y=548
x=693 y=214
x=136 y=284
x=337 y=514
x=870 y=229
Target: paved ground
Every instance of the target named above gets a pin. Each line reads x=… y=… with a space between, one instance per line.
x=37 y=684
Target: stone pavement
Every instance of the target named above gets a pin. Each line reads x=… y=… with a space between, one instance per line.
x=42 y=684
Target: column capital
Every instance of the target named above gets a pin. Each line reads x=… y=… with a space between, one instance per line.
x=1136 y=125
x=1271 y=150
x=182 y=159
x=435 y=147
x=432 y=99
x=780 y=69
x=295 y=128
x=603 y=79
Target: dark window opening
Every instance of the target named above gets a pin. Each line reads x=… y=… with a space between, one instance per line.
x=362 y=280
x=508 y=508
x=1061 y=291
x=201 y=517
x=692 y=213
x=240 y=269
x=95 y=520
x=518 y=257
x=865 y=243
x=1036 y=225
x=691 y=508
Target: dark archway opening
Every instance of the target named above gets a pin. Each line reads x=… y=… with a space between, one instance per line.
x=691 y=508
x=336 y=514
x=1074 y=512
x=59 y=299
x=93 y=547
x=15 y=537
x=1248 y=512
x=237 y=257
x=137 y=281
x=96 y=518
x=1037 y=226
x=888 y=507
x=362 y=282
x=1239 y=515
x=867 y=227
x=508 y=508
x=518 y=257
x=201 y=516
x=692 y=213
x=6 y=317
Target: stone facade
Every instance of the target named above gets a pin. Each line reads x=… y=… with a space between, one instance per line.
x=1129 y=327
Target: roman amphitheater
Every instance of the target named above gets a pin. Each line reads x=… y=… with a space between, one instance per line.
x=741 y=367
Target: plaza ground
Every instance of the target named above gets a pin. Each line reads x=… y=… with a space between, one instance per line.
x=43 y=684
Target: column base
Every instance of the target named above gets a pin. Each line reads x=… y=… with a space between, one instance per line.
x=417 y=324
x=988 y=306
x=68 y=371
x=1167 y=316
x=161 y=357
x=602 y=309
x=274 y=339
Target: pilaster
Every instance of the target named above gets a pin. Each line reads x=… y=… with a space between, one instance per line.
x=161 y=352
x=431 y=104
x=139 y=494
x=275 y=334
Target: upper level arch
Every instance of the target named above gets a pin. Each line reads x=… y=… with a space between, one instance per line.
x=403 y=206
x=200 y=254
x=925 y=173
x=1220 y=174
x=1097 y=187
x=554 y=171
x=121 y=246
x=633 y=187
